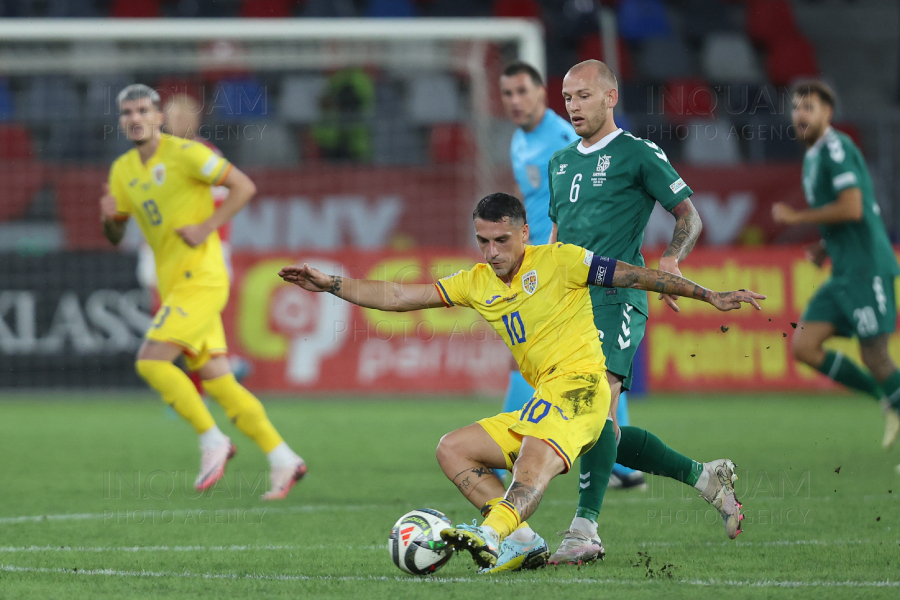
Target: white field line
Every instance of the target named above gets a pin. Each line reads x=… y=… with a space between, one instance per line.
x=376 y=548
x=764 y=583
x=312 y=508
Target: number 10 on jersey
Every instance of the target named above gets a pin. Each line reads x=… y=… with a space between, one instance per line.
x=515 y=328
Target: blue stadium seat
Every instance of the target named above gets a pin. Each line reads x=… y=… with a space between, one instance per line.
x=7 y=104
x=240 y=99
x=643 y=19
x=390 y=8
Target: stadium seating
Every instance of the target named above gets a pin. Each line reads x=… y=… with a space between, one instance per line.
x=643 y=19
x=591 y=46
x=240 y=99
x=7 y=102
x=791 y=58
x=711 y=143
x=450 y=143
x=329 y=8
x=49 y=98
x=391 y=8
x=729 y=57
x=517 y=8
x=433 y=99
x=266 y=8
x=768 y=21
x=272 y=144
x=131 y=9
x=684 y=100
x=299 y=99
x=705 y=17
x=661 y=59
x=15 y=142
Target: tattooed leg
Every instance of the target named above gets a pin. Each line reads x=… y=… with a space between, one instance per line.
x=467 y=456
x=536 y=465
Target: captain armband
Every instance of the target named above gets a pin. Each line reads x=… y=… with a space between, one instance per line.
x=602 y=271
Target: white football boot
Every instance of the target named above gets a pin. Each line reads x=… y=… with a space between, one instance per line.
x=720 y=493
x=283 y=479
x=578 y=548
x=212 y=464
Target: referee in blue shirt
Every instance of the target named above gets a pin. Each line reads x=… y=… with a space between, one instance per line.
x=541 y=132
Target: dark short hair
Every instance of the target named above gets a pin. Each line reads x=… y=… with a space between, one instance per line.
x=814 y=86
x=522 y=67
x=498 y=206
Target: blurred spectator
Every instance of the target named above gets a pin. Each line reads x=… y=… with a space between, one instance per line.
x=343 y=131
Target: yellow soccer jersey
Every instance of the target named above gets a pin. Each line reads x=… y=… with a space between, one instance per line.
x=170 y=191
x=545 y=316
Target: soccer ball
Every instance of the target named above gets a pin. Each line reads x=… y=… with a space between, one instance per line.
x=415 y=543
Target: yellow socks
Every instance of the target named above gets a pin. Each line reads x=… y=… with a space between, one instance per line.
x=177 y=391
x=244 y=410
x=504 y=518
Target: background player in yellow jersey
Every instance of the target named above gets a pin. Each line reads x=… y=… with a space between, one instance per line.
x=164 y=183
x=536 y=298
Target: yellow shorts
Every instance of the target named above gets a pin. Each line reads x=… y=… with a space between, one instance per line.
x=190 y=317
x=567 y=412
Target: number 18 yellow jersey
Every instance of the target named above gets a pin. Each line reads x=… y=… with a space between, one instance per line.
x=545 y=316
x=168 y=192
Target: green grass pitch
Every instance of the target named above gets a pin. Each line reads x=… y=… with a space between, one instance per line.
x=97 y=502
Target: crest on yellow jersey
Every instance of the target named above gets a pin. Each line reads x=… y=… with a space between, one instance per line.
x=529 y=281
x=159 y=173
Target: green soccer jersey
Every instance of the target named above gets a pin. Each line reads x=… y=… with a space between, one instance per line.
x=601 y=199
x=858 y=249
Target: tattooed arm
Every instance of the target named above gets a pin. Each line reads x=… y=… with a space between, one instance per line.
x=630 y=276
x=383 y=295
x=687 y=229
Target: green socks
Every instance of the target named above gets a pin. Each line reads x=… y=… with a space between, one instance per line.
x=891 y=387
x=839 y=368
x=596 y=467
x=641 y=450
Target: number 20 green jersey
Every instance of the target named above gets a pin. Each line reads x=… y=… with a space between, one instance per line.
x=601 y=199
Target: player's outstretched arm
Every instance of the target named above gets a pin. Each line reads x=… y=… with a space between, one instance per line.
x=630 y=276
x=383 y=295
x=687 y=230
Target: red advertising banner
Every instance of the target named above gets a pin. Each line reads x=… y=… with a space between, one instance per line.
x=328 y=207
x=702 y=349
x=302 y=341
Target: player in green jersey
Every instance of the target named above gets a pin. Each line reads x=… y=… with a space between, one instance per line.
x=602 y=191
x=858 y=300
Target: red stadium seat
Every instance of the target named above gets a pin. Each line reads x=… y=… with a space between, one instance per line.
x=591 y=46
x=266 y=8
x=791 y=58
x=15 y=142
x=133 y=9
x=450 y=144
x=685 y=100
x=517 y=8
x=770 y=20
x=21 y=181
